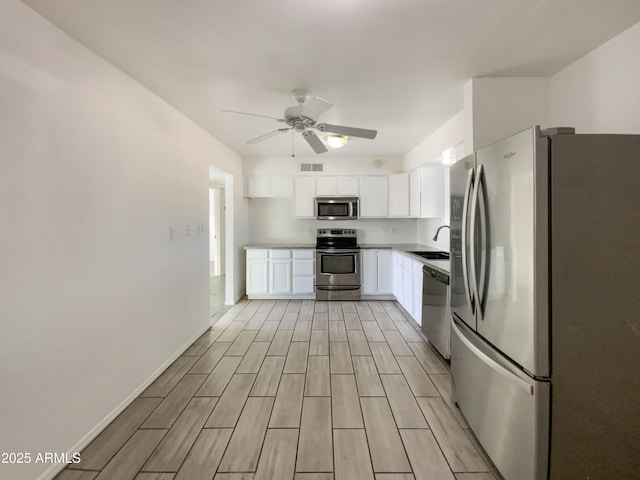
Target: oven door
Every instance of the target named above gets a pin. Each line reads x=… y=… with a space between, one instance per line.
x=338 y=267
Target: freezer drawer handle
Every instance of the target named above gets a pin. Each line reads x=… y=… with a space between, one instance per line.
x=495 y=366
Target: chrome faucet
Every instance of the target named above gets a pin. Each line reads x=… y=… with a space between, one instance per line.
x=435 y=237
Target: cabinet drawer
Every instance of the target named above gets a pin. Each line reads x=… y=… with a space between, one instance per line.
x=255 y=253
x=303 y=267
x=303 y=285
x=280 y=253
x=306 y=253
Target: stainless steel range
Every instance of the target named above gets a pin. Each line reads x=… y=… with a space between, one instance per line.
x=337 y=264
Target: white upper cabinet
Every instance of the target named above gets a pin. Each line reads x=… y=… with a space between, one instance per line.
x=348 y=186
x=281 y=186
x=326 y=186
x=269 y=186
x=414 y=192
x=257 y=187
x=399 y=195
x=305 y=193
x=344 y=186
x=426 y=192
x=374 y=196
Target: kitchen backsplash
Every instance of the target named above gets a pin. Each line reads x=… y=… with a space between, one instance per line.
x=272 y=220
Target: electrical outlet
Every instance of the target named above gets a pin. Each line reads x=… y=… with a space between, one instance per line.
x=172 y=233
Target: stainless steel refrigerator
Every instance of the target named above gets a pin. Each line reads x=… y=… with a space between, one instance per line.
x=545 y=302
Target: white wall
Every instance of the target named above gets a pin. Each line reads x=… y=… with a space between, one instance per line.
x=272 y=220
x=96 y=298
x=496 y=107
x=332 y=166
x=430 y=149
x=600 y=92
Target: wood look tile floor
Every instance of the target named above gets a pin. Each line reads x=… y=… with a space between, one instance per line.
x=295 y=390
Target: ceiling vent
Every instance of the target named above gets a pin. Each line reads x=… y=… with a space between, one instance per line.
x=311 y=167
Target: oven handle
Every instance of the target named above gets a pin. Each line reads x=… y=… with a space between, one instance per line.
x=337 y=288
x=337 y=251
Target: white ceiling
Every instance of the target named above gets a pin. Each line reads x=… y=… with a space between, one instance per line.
x=395 y=66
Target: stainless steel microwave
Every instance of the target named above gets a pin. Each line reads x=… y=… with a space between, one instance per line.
x=337 y=208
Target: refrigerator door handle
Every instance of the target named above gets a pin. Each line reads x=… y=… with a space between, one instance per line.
x=465 y=242
x=473 y=234
x=481 y=205
x=491 y=363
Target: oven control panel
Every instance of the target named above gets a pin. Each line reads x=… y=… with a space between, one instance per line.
x=337 y=232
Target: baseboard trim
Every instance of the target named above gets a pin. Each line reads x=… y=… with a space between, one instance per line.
x=53 y=470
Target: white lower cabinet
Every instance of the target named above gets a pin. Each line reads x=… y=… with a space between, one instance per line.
x=280 y=273
x=279 y=276
x=376 y=272
x=257 y=272
x=385 y=284
x=304 y=272
x=407 y=284
x=416 y=287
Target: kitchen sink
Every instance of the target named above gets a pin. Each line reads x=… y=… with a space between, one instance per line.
x=433 y=255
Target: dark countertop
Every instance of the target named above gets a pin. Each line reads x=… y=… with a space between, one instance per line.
x=291 y=246
x=443 y=266
x=440 y=265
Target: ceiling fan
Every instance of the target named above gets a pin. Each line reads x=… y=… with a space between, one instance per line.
x=303 y=118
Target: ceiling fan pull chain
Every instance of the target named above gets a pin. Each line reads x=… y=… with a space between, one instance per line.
x=293 y=144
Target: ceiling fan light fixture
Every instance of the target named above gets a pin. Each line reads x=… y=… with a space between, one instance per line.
x=337 y=141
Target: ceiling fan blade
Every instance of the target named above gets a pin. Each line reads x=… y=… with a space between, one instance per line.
x=351 y=131
x=266 y=136
x=314 y=107
x=315 y=143
x=253 y=115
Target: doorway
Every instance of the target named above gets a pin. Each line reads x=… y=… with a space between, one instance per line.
x=216 y=231
x=217 y=243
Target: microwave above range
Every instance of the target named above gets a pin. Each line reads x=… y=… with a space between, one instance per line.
x=337 y=208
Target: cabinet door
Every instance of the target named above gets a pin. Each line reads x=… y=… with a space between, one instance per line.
x=257 y=187
x=374 y=196
x=280 y=186
x=257 y=277
x=305 y=192
x=303 y=285
x=303 y=267
x=414 y=192
x=280 y=276
x=407 y=289
x=417 y=298
x=369 y=272
x=348 y=186
x=431 y=192
x=326 y=186
x=385 y=277
x=399 y=195
x=396 y=274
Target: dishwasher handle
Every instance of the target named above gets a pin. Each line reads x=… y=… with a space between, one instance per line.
x=435 y=274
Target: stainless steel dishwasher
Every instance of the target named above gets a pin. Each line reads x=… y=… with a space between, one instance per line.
x=435 y=305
